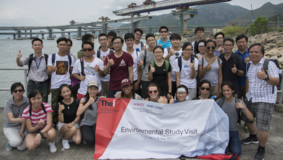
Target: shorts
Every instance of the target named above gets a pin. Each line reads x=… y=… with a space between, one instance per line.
x=59 y=125
x=263 y=113
x=37 y=131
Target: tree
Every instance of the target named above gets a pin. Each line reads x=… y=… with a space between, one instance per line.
x=260 y=25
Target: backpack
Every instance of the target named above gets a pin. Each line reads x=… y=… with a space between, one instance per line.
x=166 y=65
x=69 y=58
x=42 y=107
x=75 y=83
x=180 y=61
x=265 y=68
x=31 y=59
x=144 y=60
x=98 y=52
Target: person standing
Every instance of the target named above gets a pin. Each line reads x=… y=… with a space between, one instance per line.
x=219 y=37
x=37 y=68
x=120 y=65
x=163 y=41
x=261 y=92
x=69 y=46
x=138 y=44
x=85 y=38
x=199 y=32
x=111 y=35
x=60 y=66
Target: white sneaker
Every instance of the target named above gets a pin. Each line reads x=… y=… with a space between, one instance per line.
x=52 y=146
x=8 y=147
x=65 y=144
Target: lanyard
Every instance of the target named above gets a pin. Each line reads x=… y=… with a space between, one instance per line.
x=37 y=66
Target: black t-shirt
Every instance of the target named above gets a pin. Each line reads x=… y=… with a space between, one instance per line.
x=197 y=98
x=160 y=76
x=70 y=111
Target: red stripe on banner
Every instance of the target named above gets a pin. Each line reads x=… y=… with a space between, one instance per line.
x=110 y=112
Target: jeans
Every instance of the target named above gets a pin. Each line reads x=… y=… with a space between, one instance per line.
x=144 y=85
x=43 y=88
x=88 y=134
x=111 y=93
x=234 y=143
x=104 y=88
x=14 y=138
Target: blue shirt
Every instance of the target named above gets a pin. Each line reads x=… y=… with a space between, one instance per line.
x=217 y=53
x=164 y=45
x=242 y=80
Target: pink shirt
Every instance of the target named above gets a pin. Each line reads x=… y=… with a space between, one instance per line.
x=36 y=116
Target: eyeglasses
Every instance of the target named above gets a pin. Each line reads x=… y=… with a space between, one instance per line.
x=117 y=43
x=158 y=52
x=210 y=47
x=103 y=40
x=202 y=88
x=20 y=91
x=62 y=45
x=150 y=92
x=129 y=40
x=163 y=31
x=151 y=40
x=87 y=49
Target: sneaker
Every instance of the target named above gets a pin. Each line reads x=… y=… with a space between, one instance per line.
x=260 y=154
x=52 y=146
x=9 y=147
x=250 y=140
x=65 y=144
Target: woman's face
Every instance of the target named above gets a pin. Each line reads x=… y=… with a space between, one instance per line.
x=181 y=94
x=227 y=92
x=153 y=92
x=127 y=89
x=187 y=52
x=18 y=92
x=36 y=101
x=65 y=92
x=158 y=53
x=210 y=47
x=92 y=91
x=204 y=89
x=201 y=49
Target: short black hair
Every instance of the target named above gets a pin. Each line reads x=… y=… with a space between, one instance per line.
x=163 y=27
x=210 y=40
x=185 y=45
x=159 y=48
x=229 y=84
x=112 y=33
x=15 y=85
x=36 y=39
x=87 y=37
x=203 y=82
x=101 y=35
x=240 y=37
x=69 y=40
x=199 y=29
x=175 y=36
x=129 y=36
x=87 y=42
x=117 y=38
x=257 y=44
x=138 y=30
x=229 y=39
x=149 y=35
x=61 y=39
x=219 y=33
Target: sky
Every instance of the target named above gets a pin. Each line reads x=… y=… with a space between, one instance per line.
x=61 y=12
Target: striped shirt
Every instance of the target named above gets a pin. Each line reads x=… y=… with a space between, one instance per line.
x=36 y=116
x=260 y=90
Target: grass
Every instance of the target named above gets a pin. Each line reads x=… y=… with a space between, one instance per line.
x=231 y=31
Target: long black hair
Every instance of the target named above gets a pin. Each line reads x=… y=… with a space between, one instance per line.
x=32 y=94
x=60 y=98
x=87 y=96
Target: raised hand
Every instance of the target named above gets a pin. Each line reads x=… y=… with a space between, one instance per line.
x=152 y=69
x=91 y=100
x=171 y=52
x=141 y=63
x=110 y=62
x=247 y=59
x=240 y=105
x=40 y=123
x=208 y=67
x=19 y=55
x=54 y=68
x=234 y=69
x=220 y=49
x=103 y=59
x=61 y=107
x=160 y=44
x=96 y=68
x=192 y=65
x=261 y=74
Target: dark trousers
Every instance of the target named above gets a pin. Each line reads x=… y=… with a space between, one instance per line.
x=174 y=88
x=234 y=145
x=42 y=87
x=144 y=85
x=88 y=134
x=111 y=93
x=139 y=89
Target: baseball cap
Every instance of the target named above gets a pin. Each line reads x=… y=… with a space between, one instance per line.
x=126 y=82
x=92 y=83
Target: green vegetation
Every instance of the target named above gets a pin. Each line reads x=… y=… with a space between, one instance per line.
x=260 y=25
x=231 y=31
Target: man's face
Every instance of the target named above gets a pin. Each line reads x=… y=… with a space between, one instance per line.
x=87 y=50
x=110 y=39
x=228 y=46
x=150 y=41
x=117 y=44
x=242 y=44
x=219 y=39
x=69 y=46
x=163 y=33
x=37 y=46
x=138 y=35
x=175 y=42
x=130 y=42
x=255 y=54
x=103 y=41
x=200 y=34
x=62 y=45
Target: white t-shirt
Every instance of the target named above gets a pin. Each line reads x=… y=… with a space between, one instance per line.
x=62 y=75
x=137 y=47
x=90 y=74
x=185 y=75
x=135 y=56
x=172 y=60
x=104 y=54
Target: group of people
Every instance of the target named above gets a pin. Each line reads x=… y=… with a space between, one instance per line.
x=161 y=71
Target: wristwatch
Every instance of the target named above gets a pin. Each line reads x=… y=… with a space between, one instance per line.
x=267 y=78
x=170 y=93
x=237 y=70
x=41 y=134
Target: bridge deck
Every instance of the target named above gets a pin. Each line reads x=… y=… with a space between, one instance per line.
x=273 y=149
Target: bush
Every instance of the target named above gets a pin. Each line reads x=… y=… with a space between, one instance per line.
x=231 y=31
x=260 y=25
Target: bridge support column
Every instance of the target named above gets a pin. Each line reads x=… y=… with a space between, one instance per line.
x=79 y=33
x=19 y=34
x=69 y=35
x=26 y=34
x=30 y=32
x=134 y=25
x=62 y=34
x=42 y=35
x=183 y=20
x=149 y=29
x=50 y=37
x=104 y=28
x=14 y=35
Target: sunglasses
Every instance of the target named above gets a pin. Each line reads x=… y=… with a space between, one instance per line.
x=202 y=88
x=163 y=31
x=87 y=49
x=20 y=90
x=155 y=91
x=210 y=47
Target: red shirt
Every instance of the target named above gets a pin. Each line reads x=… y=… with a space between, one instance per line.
x=119 y=70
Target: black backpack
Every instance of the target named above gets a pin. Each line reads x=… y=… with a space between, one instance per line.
x=31 y=59
x=180 y=61
x=75 y=82
x=265 y=68
x=98 y=52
